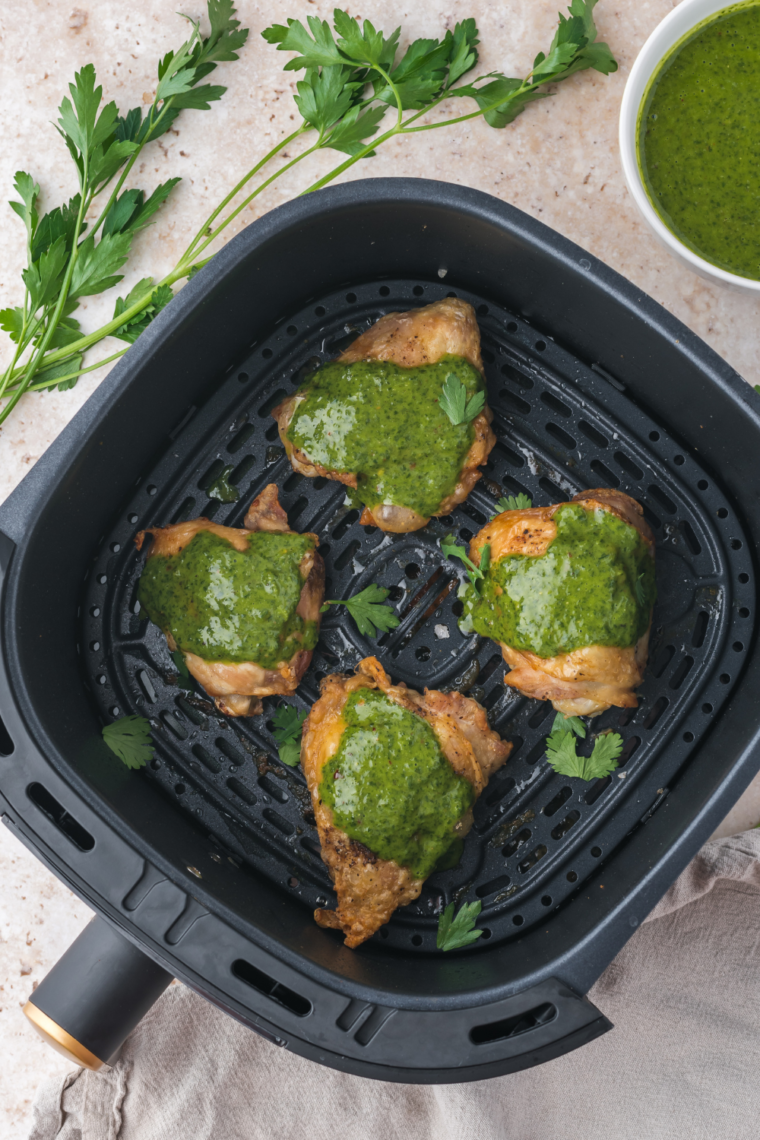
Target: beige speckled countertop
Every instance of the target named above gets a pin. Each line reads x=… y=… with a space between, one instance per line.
x=559 y=162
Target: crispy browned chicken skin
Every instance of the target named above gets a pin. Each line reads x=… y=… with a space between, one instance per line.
x=238 y=687
x=369 y=889
x=421 y=336
x=588 y=680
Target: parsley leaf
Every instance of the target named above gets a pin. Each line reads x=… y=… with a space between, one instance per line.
x=561 y=752
x=574 y=724
x=94 y=268
x=453 y=401
x=288 y=723
x=476 y=574
x=129 y=738
x=369 y=610
x=160 y=298
x=512 y=503
x=453 y=933
x=178 y=658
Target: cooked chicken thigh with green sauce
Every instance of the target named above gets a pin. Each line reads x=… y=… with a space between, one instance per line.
x=568 y=594
x=373 y=420
x=393 y=777
x=241 y=605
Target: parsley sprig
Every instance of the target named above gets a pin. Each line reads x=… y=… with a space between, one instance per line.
x=456 y=932
x=353 y=76
x=476 y=574
x=562 y=752
x=453 y=401
x=369 y=610
x=69 y=258
x=129 y=738
x=512 y=503
x=288 y=723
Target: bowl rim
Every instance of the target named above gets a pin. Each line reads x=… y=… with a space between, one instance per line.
x=678 y=24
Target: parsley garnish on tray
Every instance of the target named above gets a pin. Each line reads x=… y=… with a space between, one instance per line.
x=476 y=574
x=562 y=752
x=454 y=933
x=454 y=402
x=369 y=610
x=288 y=723
x=512 y=503
x=129 y=738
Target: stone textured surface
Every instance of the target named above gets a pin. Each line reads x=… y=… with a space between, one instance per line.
x=559 y=162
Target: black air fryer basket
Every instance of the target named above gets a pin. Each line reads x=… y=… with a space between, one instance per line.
x=208 y=861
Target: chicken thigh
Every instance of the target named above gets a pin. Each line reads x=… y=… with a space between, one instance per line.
x=568 y=594
x=372 y=419
x=393 y=776
x=241 y=605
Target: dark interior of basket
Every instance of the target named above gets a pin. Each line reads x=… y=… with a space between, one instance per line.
x=537 y=835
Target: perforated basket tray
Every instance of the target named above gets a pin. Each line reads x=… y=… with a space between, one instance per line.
x=547 y=856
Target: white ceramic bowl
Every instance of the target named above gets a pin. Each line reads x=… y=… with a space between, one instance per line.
x=666 y=35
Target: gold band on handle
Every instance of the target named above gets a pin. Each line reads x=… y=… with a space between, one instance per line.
x=62 y=1041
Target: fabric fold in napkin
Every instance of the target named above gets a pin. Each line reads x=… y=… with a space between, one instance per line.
x=680 y=1064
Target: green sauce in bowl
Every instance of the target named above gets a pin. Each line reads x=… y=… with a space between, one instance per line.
x=698 y=140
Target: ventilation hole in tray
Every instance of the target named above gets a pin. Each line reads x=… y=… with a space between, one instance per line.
x=654 y=436
x=735 y=544
x=212 y=473
x=722 y=513
x=319 y=482
x=492 y=886
x=206 y=759
x=282 y=825
x=537 y=752
x=184 y=511
x=146 y=685
x=572 y=877
x=518 y=920
x=703 y=484
x=384 y=291
x=473 y=512
x=513 y=845
x=234 y=755
x=320 y=311
x=490 y=667
x=418 y=290
x=744 y=578
x=707 y=709
x=514 y=1026
x=592 y=434
x=291 y=330
x=351 y=298
x=274 y=789
x=500 y=791
x=299 y=506
x=513 y=403
x=540 y=346
x=553 y=491
x=174 y=726
x=516 y=377
x=500 y=449
x=512 y=487
x=664 y=500
x=266 y=353
x=744 y=612
x=604 y=473
x=242 y=470
x=556 y=405
x=540 y=715
x=626 y=716
x=243 y=377
x=511 y=327
x=272 y=402
x=260 y=981
x=663 y=659
x=457 y=608
x=292 y=481
x=738 y=647
x=180 y=789
x=596 y=852
x=690 y=537
x=564 y=825
x=347 y=521
x=658 y=708
x=678 y=460
x=628 y=465
x=273 y=453
x=556 y=803
x=688 y=737
x=238 y=788
x=561 y=436
x=681 y=673
x=651 y=517
x=530 y=861
x=724 y=679
x=347 y=554
x=629 y=748
x=422 y=653
x=595 y=791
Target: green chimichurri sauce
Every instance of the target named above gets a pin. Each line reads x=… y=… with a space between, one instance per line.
x=226 y=605
x=390 y=787
x=699 y=140
x=384 y=423
x=593 y=586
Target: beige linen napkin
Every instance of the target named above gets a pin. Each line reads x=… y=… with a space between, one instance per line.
x=680 y=1064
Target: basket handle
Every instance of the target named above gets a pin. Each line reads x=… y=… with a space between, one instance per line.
x=95 y=995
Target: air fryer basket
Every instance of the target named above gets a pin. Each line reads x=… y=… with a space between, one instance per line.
x=209 y=860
